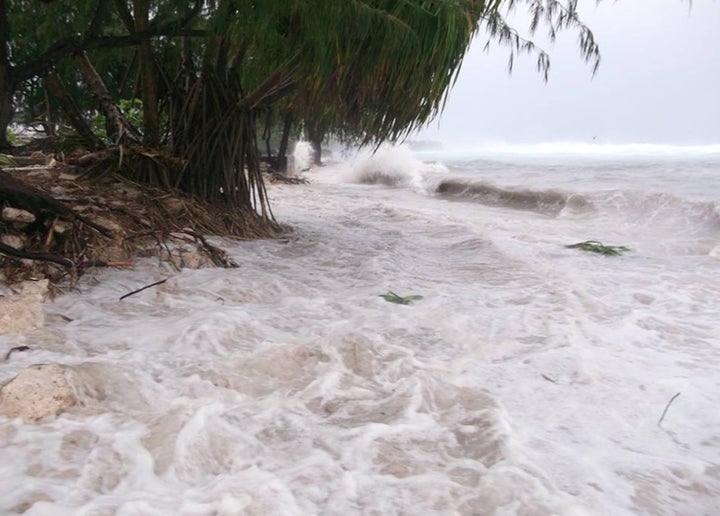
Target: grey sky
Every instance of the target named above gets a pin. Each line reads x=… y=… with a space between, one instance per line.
x=658 y=82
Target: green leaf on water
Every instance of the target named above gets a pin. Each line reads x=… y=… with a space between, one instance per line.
x=392 y=297
x=593 y=246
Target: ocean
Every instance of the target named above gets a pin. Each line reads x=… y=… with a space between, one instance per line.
x=529 y=379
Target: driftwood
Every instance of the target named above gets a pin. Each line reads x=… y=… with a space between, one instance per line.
x=19 y=195
x=60 y=260
x=143 y=288
x=16 y=348
x=666 y=409
x=43 y=257
x=104 y=223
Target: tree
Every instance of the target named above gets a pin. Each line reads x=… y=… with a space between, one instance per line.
x=29 y=49
x=399 y=81
x=366 y=70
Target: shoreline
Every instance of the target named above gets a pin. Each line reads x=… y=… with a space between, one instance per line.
x=62 y=224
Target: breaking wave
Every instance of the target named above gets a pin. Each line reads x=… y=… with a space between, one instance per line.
x=662 y=209
x=396 y=167
x=400 y=168
x=542 y=201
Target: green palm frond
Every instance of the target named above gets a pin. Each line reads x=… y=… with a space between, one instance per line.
x=392 y=297
x=594 y=246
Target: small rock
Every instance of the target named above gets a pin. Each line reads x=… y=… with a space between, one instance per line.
x=14 y=241
x=192 y=259
x=60 y=227
x=15 y=215
x=112 y=253
x=108 y=224
x=37 y=391
x=20 y=313
x=32 y=288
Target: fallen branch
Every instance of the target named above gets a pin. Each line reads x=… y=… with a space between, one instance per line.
x=98 y=263
x=19 y=195
x=593 y=246
x=144 y=288
x=43 y=257
x=16 y=348
x=392 y=297
x=666 y=408
x=217 y=255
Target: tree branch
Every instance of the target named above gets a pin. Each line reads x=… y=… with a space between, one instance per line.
x=68 y=46
x=43 y=257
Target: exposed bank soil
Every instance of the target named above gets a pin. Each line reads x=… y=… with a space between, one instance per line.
x=57 y=224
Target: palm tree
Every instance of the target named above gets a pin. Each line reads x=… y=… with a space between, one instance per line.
x=366 y=70
x=379 y=68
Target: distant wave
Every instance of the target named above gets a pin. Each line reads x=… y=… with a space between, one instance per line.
x=638 y=207
x=400 y=168
x=659 y=209
x=577 y=149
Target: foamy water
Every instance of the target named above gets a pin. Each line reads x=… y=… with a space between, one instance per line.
x=528 y=380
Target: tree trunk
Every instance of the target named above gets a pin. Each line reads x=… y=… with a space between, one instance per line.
x=315 y=136
x=119 y=129
x=6 y=112
x=267 y=133
x=6 y=86
x=55 y=87
x=148 y=78
x=284 y=139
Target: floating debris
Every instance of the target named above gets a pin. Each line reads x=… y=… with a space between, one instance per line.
x=593 y=246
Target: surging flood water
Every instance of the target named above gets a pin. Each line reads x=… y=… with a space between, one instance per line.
x=528 y=380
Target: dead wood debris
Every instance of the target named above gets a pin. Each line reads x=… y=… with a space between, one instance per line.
x=143 y=288
x=280 y=178
x=659 y=423
x=56 y=224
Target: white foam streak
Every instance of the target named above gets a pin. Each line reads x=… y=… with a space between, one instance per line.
x=575 y=149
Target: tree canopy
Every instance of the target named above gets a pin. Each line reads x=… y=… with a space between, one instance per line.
x=206 y=73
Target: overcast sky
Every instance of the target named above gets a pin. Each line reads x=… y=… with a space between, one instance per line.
x=658 y=82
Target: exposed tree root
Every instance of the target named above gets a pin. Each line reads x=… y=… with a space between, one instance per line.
x=71 y=224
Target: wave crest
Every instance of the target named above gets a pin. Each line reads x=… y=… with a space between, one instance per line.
x=542 y=201
x=396 y=167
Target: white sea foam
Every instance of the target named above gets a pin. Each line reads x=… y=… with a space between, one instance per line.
x=576 y=149
x=395 y=166
x=302 y=156
x=529 y=379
